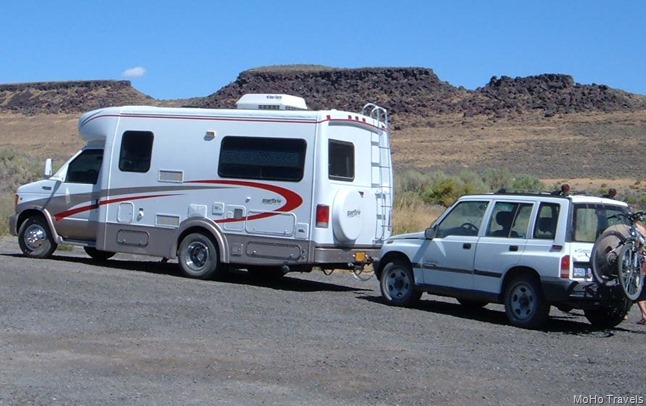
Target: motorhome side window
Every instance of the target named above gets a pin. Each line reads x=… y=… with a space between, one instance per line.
x=262 y=158
x=85 y=167
x=136 y=149
x=341 y=160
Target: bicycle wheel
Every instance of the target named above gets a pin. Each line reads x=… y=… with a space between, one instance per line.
x=605 y=252
x=630 y=274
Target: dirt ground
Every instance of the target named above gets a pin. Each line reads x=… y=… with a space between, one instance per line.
x=134 y=332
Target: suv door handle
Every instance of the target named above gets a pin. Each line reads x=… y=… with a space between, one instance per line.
x=513 y=248
x=466 y=246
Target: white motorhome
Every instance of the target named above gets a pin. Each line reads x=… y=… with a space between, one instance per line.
x=269 y=186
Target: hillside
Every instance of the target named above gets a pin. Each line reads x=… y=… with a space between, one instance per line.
x=417 y=97
x=547 y=126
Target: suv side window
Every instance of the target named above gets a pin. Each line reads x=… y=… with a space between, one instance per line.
x=464 y=219
x=509 y=220
x=545 y=226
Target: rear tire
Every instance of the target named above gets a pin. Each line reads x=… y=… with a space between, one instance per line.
x=97 y=254
x=525 y=304
x=35 y=238
x=198 y=257
x=609 y=317
x=397 y=284
x=266 y=273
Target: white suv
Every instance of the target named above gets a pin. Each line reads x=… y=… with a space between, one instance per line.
x=527 y=251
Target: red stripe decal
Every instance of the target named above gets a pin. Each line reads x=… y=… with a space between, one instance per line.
x=67 y=213
x=292 y=199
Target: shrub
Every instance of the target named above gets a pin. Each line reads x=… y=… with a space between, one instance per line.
x=17 y=168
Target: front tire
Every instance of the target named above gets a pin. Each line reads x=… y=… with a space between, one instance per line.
x=35 y=238
x=397 y=284
x=525 y=304
x=198 y=257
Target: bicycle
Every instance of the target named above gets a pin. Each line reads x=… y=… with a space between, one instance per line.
x=618 y=255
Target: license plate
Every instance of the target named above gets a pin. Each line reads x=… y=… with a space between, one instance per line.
x=581 y=272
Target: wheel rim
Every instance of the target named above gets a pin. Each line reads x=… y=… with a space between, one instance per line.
x=522 y=301
x=35 y=237
x=398 y=283
x=630 y=274
x=198 y=255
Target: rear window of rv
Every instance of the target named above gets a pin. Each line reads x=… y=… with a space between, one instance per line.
x=341 y=160
x=262 y=158
x=136 y=149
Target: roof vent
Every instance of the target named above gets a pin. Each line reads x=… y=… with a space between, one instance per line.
x=254 y=101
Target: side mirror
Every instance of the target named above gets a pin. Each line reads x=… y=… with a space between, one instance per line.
x=429 y=233
x=48 y=168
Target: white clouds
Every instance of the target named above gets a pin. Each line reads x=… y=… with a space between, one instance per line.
x=135 y=72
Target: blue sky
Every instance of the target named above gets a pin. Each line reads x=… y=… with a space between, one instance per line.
x=181 y=49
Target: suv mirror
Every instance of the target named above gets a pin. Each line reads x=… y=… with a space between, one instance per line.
x=429 y=233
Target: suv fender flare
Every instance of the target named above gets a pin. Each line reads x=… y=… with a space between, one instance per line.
x=513 y=273
x=390 y=256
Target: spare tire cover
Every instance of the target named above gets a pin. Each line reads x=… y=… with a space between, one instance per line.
x=604 y=256
x=347 y=211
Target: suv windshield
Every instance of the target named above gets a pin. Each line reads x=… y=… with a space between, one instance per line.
x=590 y=219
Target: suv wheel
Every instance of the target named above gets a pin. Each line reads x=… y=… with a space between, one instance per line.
x=398 y=284
x=525 y=305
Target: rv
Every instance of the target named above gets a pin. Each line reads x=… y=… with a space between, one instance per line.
x=270 y=186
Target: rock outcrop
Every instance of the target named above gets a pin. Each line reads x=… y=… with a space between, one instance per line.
x=414 y=96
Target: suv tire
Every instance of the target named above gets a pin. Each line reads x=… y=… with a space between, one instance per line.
x=397 y=284
x=525 y=304
x=609 y=317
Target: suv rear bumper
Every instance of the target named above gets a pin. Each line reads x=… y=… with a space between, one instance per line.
x=581 y=294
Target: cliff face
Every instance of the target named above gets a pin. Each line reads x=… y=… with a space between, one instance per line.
x=412 y=95
x=68 y=97
x=400 y=89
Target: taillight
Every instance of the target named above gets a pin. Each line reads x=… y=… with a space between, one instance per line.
x=322 y=216
x=15 y=200
x=565 y=267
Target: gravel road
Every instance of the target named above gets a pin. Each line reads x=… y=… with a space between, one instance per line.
x=137 y=333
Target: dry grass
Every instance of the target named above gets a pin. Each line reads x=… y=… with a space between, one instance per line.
x=591 y=152
x=41 y=136
x=6 y=208
x=412 y=215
